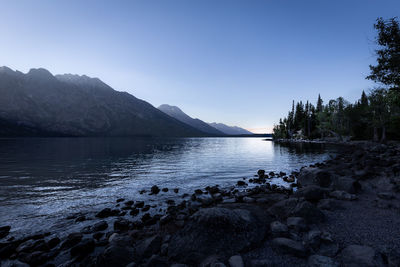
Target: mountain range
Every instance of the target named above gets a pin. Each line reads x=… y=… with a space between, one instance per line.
x=40 y=104
x=210 y=128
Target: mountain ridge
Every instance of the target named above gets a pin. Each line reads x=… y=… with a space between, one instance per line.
x=71 y=105
x=178 y=114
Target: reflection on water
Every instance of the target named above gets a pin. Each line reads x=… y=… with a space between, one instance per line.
x=47 y=179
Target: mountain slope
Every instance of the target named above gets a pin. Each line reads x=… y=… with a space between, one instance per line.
x=230 y=130
x=38 y=103
x=178 y=114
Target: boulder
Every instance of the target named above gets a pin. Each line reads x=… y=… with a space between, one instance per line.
x=278 y=229
x=121 y=225
x=148 y=247
x=218 y=230
x=314 y=176
x=347 y=184
x=329 y=204
x=115 y=255
x=4 y=231
x=311 y=192
x=356 y=255
x=107 y=212
x=100 y=226
x=296 y=223
x=72 y=240
x=289 y=246
x=85 y=247
x=308 y=211
x=321 y=261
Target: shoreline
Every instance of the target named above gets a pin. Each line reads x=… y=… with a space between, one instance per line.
x=227 y=226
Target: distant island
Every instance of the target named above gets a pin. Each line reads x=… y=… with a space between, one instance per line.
x=41 y=104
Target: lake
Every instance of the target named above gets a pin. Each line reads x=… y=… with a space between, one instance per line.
x=44 y=180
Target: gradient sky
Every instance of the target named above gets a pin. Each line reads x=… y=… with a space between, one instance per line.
x=236 y=62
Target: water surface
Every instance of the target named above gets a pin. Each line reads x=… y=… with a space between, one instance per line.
x=43 y=180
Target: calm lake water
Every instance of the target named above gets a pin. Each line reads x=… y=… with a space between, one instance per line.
x=43 y=180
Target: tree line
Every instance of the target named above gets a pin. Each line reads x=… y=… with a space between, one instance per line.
x=375 y=115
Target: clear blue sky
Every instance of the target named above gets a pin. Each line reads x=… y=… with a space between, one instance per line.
x=236 y=62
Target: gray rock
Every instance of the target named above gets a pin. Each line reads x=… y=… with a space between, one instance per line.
x=329 y=249
x=314 y=176
x=296 y=223
x=278 y=229
x=85 y=247
x=210 y=231
x=289 y=246
x=313 y=239
x=4 y=231
x=356 y=255
x=311 y=192
x=236 y=261
x=329 y=204
x=321 y=261
x=100 y=226
x=115 y=255
x=121 y=224
x=13 y=263
x=346 y=184
x=148 y=247
x=342 y=195
x=386 y=195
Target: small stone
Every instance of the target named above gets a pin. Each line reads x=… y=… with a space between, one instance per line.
x=155 y=190
x=342 y=195
x=80 y=218
x=4 y=231
x=241 y=183
x=85 y=247
x=248 y=200
x=121 y=225
x=321 y=261
x=356 y=255
x=198 y=191
x=386 y=195
x=129 y=203
x=139 y=204
x=165 y=189
x=120 y=200
x=236 y=261
x=53 y=242
x=176 y=190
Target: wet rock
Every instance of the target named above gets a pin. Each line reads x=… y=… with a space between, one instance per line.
x=129 y=203
x=278 y=229
x=121 y=225
x=134 y=212
x=164 y=189
x=4 y=231
x=155 y=190
x=139 y=204
x=35 y=258
x=248 y=200
x=236 y=261
x=148 y=247
x=53 y=242
x=85 y=247
x=120 y=200
x=241 y=183
x=146 y=208
x=98 y=235
x=100 y=226
x=72 y=240
x=356 y=255
x=311 y=192
x=296 y=223
x=261 y=173
x=212 y=229
x=81 y=218
x=321 y=261
x=176 y=190
x=107 y=212
x=289 y=246
x=342 y=195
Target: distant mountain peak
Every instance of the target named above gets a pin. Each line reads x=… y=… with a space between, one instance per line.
x=178 y=114
x=40 y=72
x=230 y=130
x=81 y=80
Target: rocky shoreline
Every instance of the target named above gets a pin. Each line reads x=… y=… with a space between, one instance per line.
x=343 y=212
